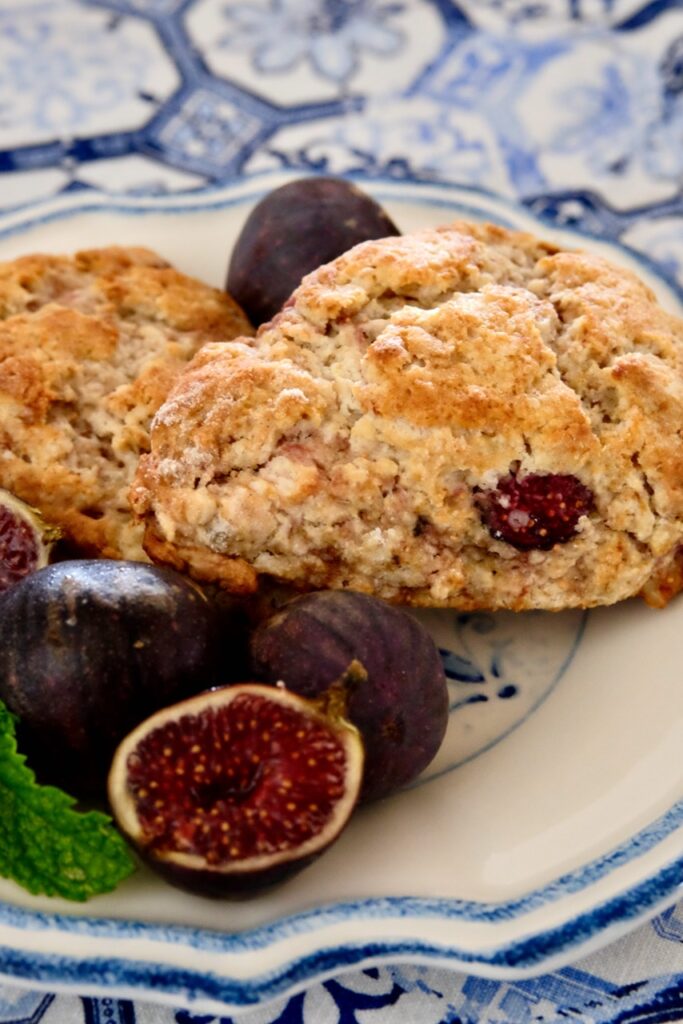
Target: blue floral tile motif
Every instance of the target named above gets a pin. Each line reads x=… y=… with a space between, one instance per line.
x=330 y=35
x=421 y=139
x=65 y=71
x=615 y=129
x=612 y=130
x=485 y=93
x=291 y=51
x=207 y=132
x=416 y=994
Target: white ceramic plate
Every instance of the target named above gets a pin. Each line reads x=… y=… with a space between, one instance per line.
x=551 y=821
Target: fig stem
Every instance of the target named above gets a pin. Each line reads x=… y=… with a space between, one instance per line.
x=334 y=701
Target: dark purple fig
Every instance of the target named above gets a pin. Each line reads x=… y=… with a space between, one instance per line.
x=292 y=231
x=90 y=648
x=26 y=540
x=401 y=709
x=235 y=789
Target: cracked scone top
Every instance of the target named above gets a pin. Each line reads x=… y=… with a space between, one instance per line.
x=464 y=417
x=89 y=347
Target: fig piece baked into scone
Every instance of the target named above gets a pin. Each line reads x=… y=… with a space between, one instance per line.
x=464 y=417
x=89 y=347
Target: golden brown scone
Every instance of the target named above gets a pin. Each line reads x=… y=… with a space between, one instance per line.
x=89 y=347
x=463 y=417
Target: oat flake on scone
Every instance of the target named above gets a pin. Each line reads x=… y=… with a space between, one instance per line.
x=89 y=347
x=362 y=439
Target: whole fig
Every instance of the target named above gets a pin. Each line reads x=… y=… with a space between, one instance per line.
x=400 y=709
x=293 y=230
x=88 y=649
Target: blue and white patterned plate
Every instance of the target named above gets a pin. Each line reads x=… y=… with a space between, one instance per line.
x=551 y=821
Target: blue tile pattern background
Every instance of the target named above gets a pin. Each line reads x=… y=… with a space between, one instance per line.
x=572 y=107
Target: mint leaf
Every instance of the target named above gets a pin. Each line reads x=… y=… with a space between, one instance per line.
x=45 y=845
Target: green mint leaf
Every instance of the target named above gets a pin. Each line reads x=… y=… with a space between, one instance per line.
x=45 y=845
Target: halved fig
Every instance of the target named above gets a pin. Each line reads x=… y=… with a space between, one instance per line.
x=26 y=540
x=237 y=788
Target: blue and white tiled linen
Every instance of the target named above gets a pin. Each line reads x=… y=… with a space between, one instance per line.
x=572 y=107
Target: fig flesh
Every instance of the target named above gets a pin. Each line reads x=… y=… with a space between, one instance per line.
x=294 y=230
x=26 y=540
x=90 y=648
x=237 y=788
x=400 y=708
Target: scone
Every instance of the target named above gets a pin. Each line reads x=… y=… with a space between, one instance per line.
x=89 y=347
x=465 y=417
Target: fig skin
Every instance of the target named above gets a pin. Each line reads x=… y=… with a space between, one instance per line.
x=88 y=649
x=401 y=709
x=228 y=878
x=210 y=884
x=294 y=230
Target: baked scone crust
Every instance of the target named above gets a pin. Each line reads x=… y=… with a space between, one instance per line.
x=346 y=444
x=89 y=347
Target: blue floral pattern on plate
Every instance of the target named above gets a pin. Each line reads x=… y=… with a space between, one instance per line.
x=500 y=669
